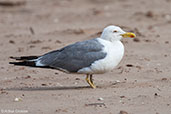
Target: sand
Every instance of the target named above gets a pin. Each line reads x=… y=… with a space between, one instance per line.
x=141 y=84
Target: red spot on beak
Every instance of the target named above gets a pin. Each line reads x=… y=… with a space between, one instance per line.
x=132 y=36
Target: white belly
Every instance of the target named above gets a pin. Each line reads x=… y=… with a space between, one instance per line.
x=115 y=52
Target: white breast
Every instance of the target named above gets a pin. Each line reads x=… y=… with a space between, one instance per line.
x=115 y=52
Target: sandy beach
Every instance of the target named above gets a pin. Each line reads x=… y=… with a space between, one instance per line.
x=140 y=84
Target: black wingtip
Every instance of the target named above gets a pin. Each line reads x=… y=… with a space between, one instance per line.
x=17 y=63
x=11 y=62
x=24 y=57
x=30 y=64
x=16 y=58
x=24 y=63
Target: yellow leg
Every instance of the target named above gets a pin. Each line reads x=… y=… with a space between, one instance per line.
x=90 y=81
x=91 y=78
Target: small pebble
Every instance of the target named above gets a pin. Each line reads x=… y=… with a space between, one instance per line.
x=77 y=78
x=17 y=99
x=123 y=112
x=12 y=42
x=56 y=73
x=118 y=81
x=75 y=83
x=164 y=79
x=129 y=65
x=44 y=84
x=122 y=97
x=27 y=77
x=150 y=14
x=155 y=94
x=100 y=99
x=166 y=42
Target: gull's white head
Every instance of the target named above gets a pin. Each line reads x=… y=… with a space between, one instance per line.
x=115 y=33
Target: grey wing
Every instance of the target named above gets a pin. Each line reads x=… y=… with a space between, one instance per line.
x=74 y=57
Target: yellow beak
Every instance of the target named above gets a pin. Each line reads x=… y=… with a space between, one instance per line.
x=128 y=35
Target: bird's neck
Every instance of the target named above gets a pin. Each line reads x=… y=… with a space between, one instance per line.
x=113 y=42
x=110 y=39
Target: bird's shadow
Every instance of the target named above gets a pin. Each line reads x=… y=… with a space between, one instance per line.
x=48 y=88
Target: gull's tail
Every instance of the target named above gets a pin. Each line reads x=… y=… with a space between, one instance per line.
x=28 y=61
x=25 y=61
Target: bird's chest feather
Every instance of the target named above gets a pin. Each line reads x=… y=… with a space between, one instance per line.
x=115 y=52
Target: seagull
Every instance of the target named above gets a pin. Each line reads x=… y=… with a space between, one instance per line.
x=94 y=56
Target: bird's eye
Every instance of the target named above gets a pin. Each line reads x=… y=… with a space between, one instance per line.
x=115 y=31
